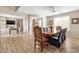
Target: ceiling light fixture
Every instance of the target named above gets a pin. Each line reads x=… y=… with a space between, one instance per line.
x=52 y=9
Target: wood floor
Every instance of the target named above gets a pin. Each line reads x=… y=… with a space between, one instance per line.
x=21 y=43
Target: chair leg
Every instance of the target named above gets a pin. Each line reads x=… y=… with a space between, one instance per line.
x=35 y=46
x=47 y=44
x=41 y=47
x=60 y=50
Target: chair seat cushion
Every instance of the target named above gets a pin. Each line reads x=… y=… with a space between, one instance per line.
x=53 y=41
x=55 y=37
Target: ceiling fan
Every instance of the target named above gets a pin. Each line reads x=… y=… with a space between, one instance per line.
x=52 y=9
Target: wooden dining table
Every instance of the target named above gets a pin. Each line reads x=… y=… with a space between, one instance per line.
x=48 y=33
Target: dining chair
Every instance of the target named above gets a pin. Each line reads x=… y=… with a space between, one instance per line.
x=45 y=29
x=58 y=28
x=58 y=40
x=40 y=38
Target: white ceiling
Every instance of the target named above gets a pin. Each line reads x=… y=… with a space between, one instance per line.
x=45 y=10
x=10 y=16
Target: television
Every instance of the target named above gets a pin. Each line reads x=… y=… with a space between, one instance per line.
x=10 y=22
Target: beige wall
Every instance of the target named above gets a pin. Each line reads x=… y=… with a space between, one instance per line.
x=74 y=28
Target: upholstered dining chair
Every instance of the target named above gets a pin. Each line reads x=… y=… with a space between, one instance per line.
x=58 y=40
x=40 y=38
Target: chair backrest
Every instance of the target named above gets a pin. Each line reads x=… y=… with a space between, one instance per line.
x=38 y=33
x=65 y=30
x=45 y=29
x=58 y=28
x=62 y=35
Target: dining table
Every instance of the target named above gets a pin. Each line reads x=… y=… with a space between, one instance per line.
x=48 y=33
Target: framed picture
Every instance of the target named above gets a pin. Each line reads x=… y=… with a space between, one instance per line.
x=75 y=20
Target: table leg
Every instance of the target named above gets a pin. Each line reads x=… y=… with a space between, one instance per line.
x=9 y=31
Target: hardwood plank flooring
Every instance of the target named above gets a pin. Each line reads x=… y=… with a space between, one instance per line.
x=21 y=43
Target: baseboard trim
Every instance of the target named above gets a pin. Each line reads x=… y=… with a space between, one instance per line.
x=75 y=37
